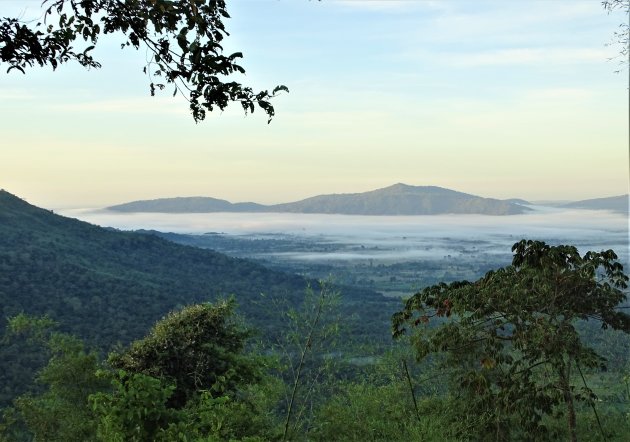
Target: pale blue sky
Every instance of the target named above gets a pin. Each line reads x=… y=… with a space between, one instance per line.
x=496 y=98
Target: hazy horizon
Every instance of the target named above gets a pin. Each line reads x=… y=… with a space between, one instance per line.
x=96 y=207
x=341 y=192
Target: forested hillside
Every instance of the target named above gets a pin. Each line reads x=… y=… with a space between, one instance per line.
x=108 y=286
x=497 y=345
x=495 y=360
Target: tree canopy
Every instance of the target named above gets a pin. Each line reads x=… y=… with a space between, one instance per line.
x=509 y=340
x=183 y=38
x=197 y=348
x=189 y=379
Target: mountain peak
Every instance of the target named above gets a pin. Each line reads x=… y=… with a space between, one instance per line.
x=402 y=199
x=408 y=187
x=399 y=186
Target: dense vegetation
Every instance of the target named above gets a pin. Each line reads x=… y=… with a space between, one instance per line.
x=191 y=378
x=510 y=339
x=107 y=286
x=509 y=357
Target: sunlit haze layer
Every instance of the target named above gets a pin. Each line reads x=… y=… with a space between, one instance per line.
x=396 y=238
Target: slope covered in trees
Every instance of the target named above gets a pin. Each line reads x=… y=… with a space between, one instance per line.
x=193 y=378
x=68 y=269
x=108 y=286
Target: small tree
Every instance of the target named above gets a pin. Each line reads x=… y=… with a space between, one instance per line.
x=509 y=339
x=312 y=331
x=188 y=379
x=199 y=348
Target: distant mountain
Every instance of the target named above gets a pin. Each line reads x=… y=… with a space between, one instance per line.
x=399 y=199
x=614 y=203
x=402 y=199
x=108 y=286
x=196 y=204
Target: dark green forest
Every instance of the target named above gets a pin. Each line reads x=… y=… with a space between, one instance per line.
x=117 y=336
x=108 y=287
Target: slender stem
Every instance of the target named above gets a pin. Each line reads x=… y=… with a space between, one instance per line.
x=305 y=350
x=413 y=394
x=532 y=366
x=592 y=403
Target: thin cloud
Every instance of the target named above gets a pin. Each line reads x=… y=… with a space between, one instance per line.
x=526 y=56
x=147 y=105
x=375 y=4
x=17 y=94
x=561 y=93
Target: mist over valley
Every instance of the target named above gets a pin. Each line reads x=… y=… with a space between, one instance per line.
x=392 y=254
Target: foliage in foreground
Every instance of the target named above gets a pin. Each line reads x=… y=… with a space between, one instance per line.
x=189 y=379
x=183 y=39
x=510 y=338
x=60 y=413
x=199 y=348
x=497 y=357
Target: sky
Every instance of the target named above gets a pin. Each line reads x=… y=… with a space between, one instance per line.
x=496 y=98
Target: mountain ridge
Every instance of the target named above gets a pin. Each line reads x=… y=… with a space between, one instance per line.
x=398 y=199
x=618 y=203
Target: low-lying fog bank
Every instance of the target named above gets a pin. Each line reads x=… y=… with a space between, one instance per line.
x=393 y=237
